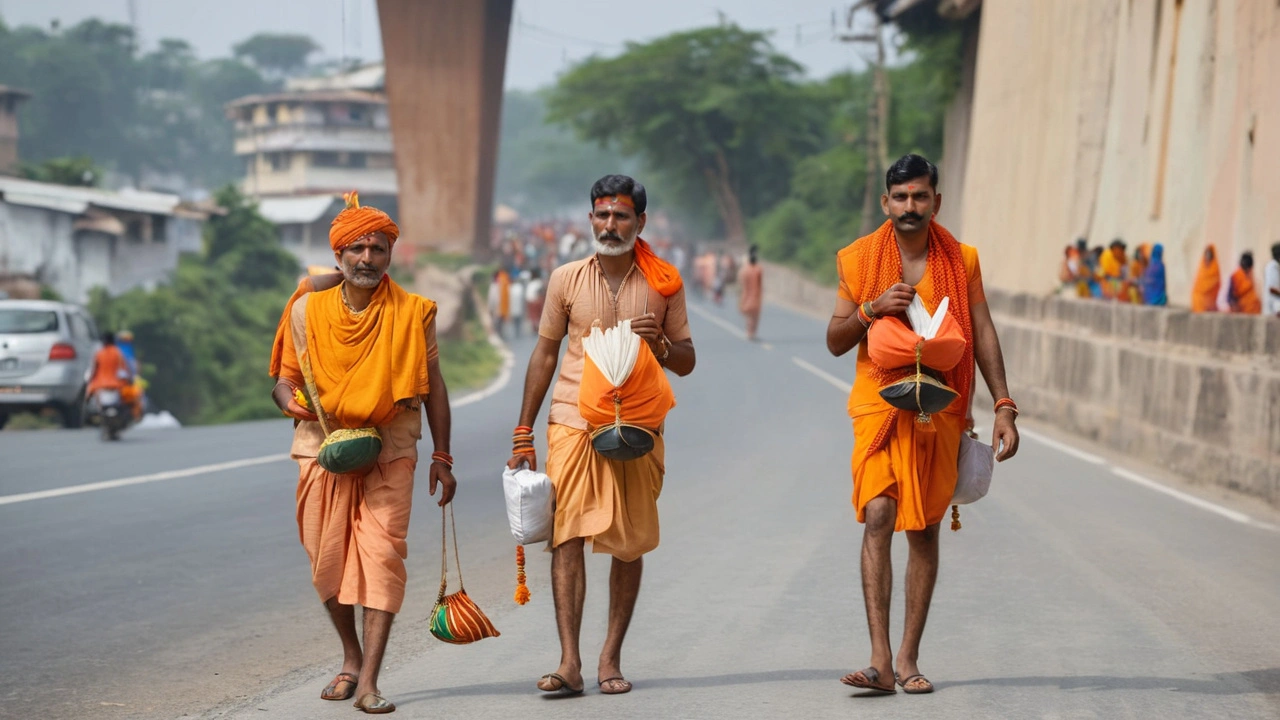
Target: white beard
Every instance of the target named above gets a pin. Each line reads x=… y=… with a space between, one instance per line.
x=614 y=250
x=362 y=280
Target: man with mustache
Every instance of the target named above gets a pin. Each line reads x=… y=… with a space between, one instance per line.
x=613 y=504
x=904 y=463
x=370 y=350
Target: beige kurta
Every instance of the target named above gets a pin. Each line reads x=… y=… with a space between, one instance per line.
x=354 y=528
x=611 y=503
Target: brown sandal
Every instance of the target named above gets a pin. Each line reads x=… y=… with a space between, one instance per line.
x=330 y=691
x=869 y=681
x=614 y=685
x=375 y=704
x=919 y=689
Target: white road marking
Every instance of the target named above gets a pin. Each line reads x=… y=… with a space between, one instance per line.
x=766 y=346
x=504 y=376
x=725 y=324
x=1190 y=499
x=1062 y=447
x=140 y=479
x=844 y=386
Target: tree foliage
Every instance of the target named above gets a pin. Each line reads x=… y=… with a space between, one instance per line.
x=79 y=170
x=717 y=113
x=276 y=53
x=542 y=168
x=204 y=338
x=95 y=95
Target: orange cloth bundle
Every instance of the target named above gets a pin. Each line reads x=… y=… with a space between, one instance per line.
x=645 y=395
x=892 y=344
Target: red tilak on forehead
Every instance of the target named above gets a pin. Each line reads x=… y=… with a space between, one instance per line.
x=616 y=199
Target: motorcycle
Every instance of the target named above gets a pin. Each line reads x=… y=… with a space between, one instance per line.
x=113 y=414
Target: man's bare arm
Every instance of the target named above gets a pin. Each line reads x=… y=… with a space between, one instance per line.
x=537 y=379
x=991 y=362
x=439 y=417
x=681 y=357
x=845 y=330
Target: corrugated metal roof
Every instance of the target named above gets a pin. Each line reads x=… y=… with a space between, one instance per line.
x=354 y=96
x=72 y=199
x=296 y=210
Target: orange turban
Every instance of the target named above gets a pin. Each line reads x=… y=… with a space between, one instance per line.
x=355 y=222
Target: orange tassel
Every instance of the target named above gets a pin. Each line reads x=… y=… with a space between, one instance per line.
x=955 y=518
x=522 y=590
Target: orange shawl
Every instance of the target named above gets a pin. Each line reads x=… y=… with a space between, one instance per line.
x=1204 y=294
x=366 y=363
x=277 y=349
x=662 y=275
x=878 y=264
x=1244 y=294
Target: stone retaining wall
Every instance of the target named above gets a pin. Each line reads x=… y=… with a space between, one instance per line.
x=1196 y=394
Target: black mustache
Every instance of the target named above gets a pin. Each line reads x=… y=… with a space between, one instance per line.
x=910 y=216
x=610 y=236
x=361 y=267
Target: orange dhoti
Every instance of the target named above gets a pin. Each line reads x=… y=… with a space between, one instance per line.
x=354 y=530
x=611 y=503
x=917 y=466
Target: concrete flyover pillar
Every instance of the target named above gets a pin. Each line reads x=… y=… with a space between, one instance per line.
x=445 y=61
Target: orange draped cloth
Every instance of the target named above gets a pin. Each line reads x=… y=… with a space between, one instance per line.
x=1204 y=294
x=611 y=503
x=367 y=362
x=1244 y=294
x=894 y=455
x=305 y=286
x=355 y=531
x=662 y=275
x=504 y=294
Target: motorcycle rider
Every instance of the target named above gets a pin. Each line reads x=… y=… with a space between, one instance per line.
x=110 y=368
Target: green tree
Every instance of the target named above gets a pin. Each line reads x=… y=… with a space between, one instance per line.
x=716 y=112
x=542 y=167
x=279 y=54
x=79 y=170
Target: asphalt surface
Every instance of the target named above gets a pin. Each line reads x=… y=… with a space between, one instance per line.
x=1071 y=592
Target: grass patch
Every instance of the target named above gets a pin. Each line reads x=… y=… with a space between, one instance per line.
x=47 y=420
x=470 y=362
x=445 y=260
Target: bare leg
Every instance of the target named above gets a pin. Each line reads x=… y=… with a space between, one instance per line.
x=624 y=587
x=377 y=627
x=922 y=572
x=344 y=620
x=569 y=588
x=877 y=581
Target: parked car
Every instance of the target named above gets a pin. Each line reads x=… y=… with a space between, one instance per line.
x=46 y=353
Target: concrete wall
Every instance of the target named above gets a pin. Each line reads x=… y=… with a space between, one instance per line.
x=1151 y=120
x=1196 y=394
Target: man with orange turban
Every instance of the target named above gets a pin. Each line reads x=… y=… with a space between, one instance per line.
x=1242 y=294
x=612 y=503
x=905 y=464
x=366 y=352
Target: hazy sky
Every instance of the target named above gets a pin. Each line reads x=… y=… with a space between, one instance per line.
x=546 y=35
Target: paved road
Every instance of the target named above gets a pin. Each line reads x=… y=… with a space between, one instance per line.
x=1071 y=592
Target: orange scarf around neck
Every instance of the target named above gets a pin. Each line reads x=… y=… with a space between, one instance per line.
x=662 y=275
x=365 y=363
x=878 y=264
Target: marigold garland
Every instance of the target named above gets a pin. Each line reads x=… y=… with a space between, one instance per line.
x=522 y=590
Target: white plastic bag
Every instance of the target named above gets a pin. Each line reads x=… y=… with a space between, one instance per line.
x=530 y=504
x=977 y=463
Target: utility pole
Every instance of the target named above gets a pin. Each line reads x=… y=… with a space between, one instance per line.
x=876 y=137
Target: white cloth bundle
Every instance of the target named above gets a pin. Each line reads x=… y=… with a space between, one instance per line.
x=614 y=351
x=926 y=325
x=977 y=463
x=530 y=504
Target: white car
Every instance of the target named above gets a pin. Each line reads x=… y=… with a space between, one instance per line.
x=46 y=353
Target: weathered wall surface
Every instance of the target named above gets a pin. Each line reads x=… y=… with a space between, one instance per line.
x=444 y=66
x=1196 y=394
x=1149 y=120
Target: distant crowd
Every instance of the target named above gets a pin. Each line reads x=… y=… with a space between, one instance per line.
x=1112 y=274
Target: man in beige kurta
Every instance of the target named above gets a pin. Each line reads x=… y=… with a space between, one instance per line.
x=612 y=504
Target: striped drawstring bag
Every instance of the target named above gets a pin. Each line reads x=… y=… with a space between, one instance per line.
x=456 y=618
